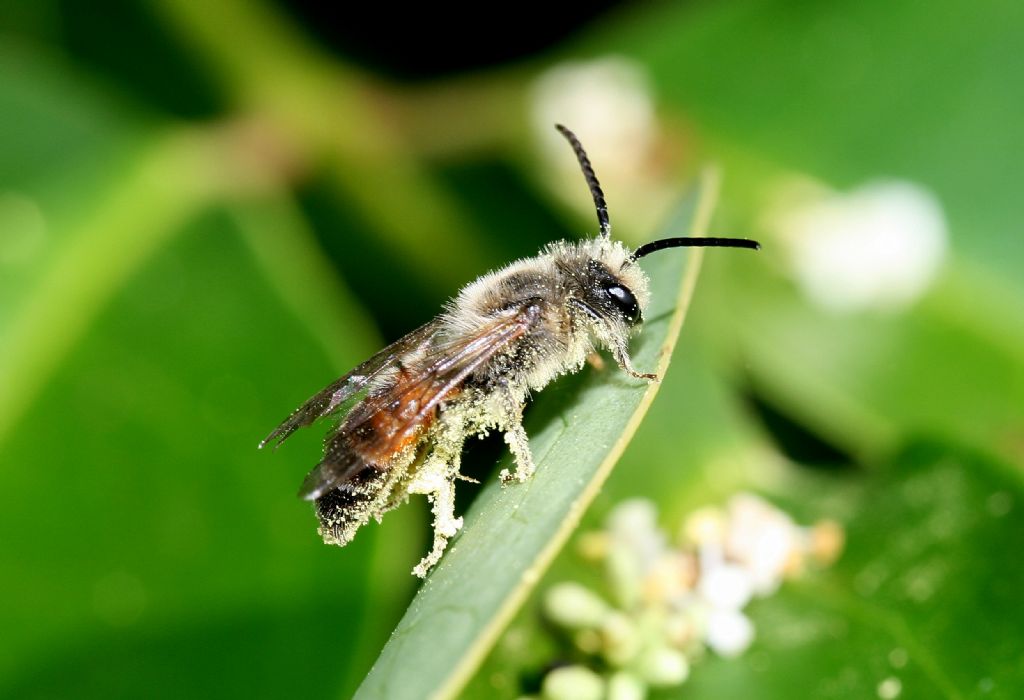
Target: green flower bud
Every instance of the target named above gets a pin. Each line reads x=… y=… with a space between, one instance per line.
x=662 y=667
x=572 y=683
x=574 y=607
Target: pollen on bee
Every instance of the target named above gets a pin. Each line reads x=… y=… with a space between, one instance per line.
x=471 y=370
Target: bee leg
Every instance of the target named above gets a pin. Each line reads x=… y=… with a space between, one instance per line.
x=439 y=487
x=621 y=354
x=519 y=444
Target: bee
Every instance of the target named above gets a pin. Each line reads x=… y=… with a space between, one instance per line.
x=470 y=371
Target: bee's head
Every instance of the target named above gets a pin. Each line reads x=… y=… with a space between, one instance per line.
x=606 y=284
x=613 y=294
x=602 y=286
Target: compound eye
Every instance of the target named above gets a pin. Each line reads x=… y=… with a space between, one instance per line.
x=624 y=301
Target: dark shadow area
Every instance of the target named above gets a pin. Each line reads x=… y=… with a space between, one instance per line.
x=387 y=284
x=423 y=43
x=518 y=223
x=399 y=294
x=798 y=442
x=133 y=46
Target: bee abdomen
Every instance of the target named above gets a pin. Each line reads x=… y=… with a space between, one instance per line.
x=343 y=510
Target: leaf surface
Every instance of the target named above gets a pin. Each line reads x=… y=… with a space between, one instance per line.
x=578 y=429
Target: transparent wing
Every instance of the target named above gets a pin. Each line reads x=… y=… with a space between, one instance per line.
x=383 y=424
x=329 y=399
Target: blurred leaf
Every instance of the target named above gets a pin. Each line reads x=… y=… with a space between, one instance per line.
x=925 y=598
x=147 y=347
x=512 y=534
x=856 y=90
x=156 y=192
x=305 y=94
x=866 y=381
x=135 y=496
x=62 y=146
x=849 y=92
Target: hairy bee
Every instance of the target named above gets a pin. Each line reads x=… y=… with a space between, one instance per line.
x=469 y=371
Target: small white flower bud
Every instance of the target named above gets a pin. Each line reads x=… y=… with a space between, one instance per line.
x=726 y=586
x=662 y=667
x=626 y=686
x=572 y=683
x=729 y=632
x=574 y=606
x=621 y=639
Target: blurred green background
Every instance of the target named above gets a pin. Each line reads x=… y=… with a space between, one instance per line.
x=209 y=211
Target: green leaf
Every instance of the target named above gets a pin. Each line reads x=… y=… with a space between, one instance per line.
x=149 y=341
x=849 y=92
x=135 y=495
x=867 y=381
x=923 y=602
x=578 y=429
x=926 y=597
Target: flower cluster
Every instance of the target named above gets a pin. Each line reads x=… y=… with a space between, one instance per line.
x=670 y=601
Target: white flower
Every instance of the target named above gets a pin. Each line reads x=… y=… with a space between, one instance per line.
x=727 y=587
x=729 y=632
x=609 y=104
x=763 y=539
x=877 y=247
x=607 y=100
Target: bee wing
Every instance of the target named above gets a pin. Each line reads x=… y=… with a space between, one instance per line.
x=411 y=402
x=335 y=394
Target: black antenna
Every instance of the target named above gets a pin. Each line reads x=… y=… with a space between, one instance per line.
x=655 y=246
x=592 y=183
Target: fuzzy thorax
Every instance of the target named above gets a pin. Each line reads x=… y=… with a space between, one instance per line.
x=564 y=281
